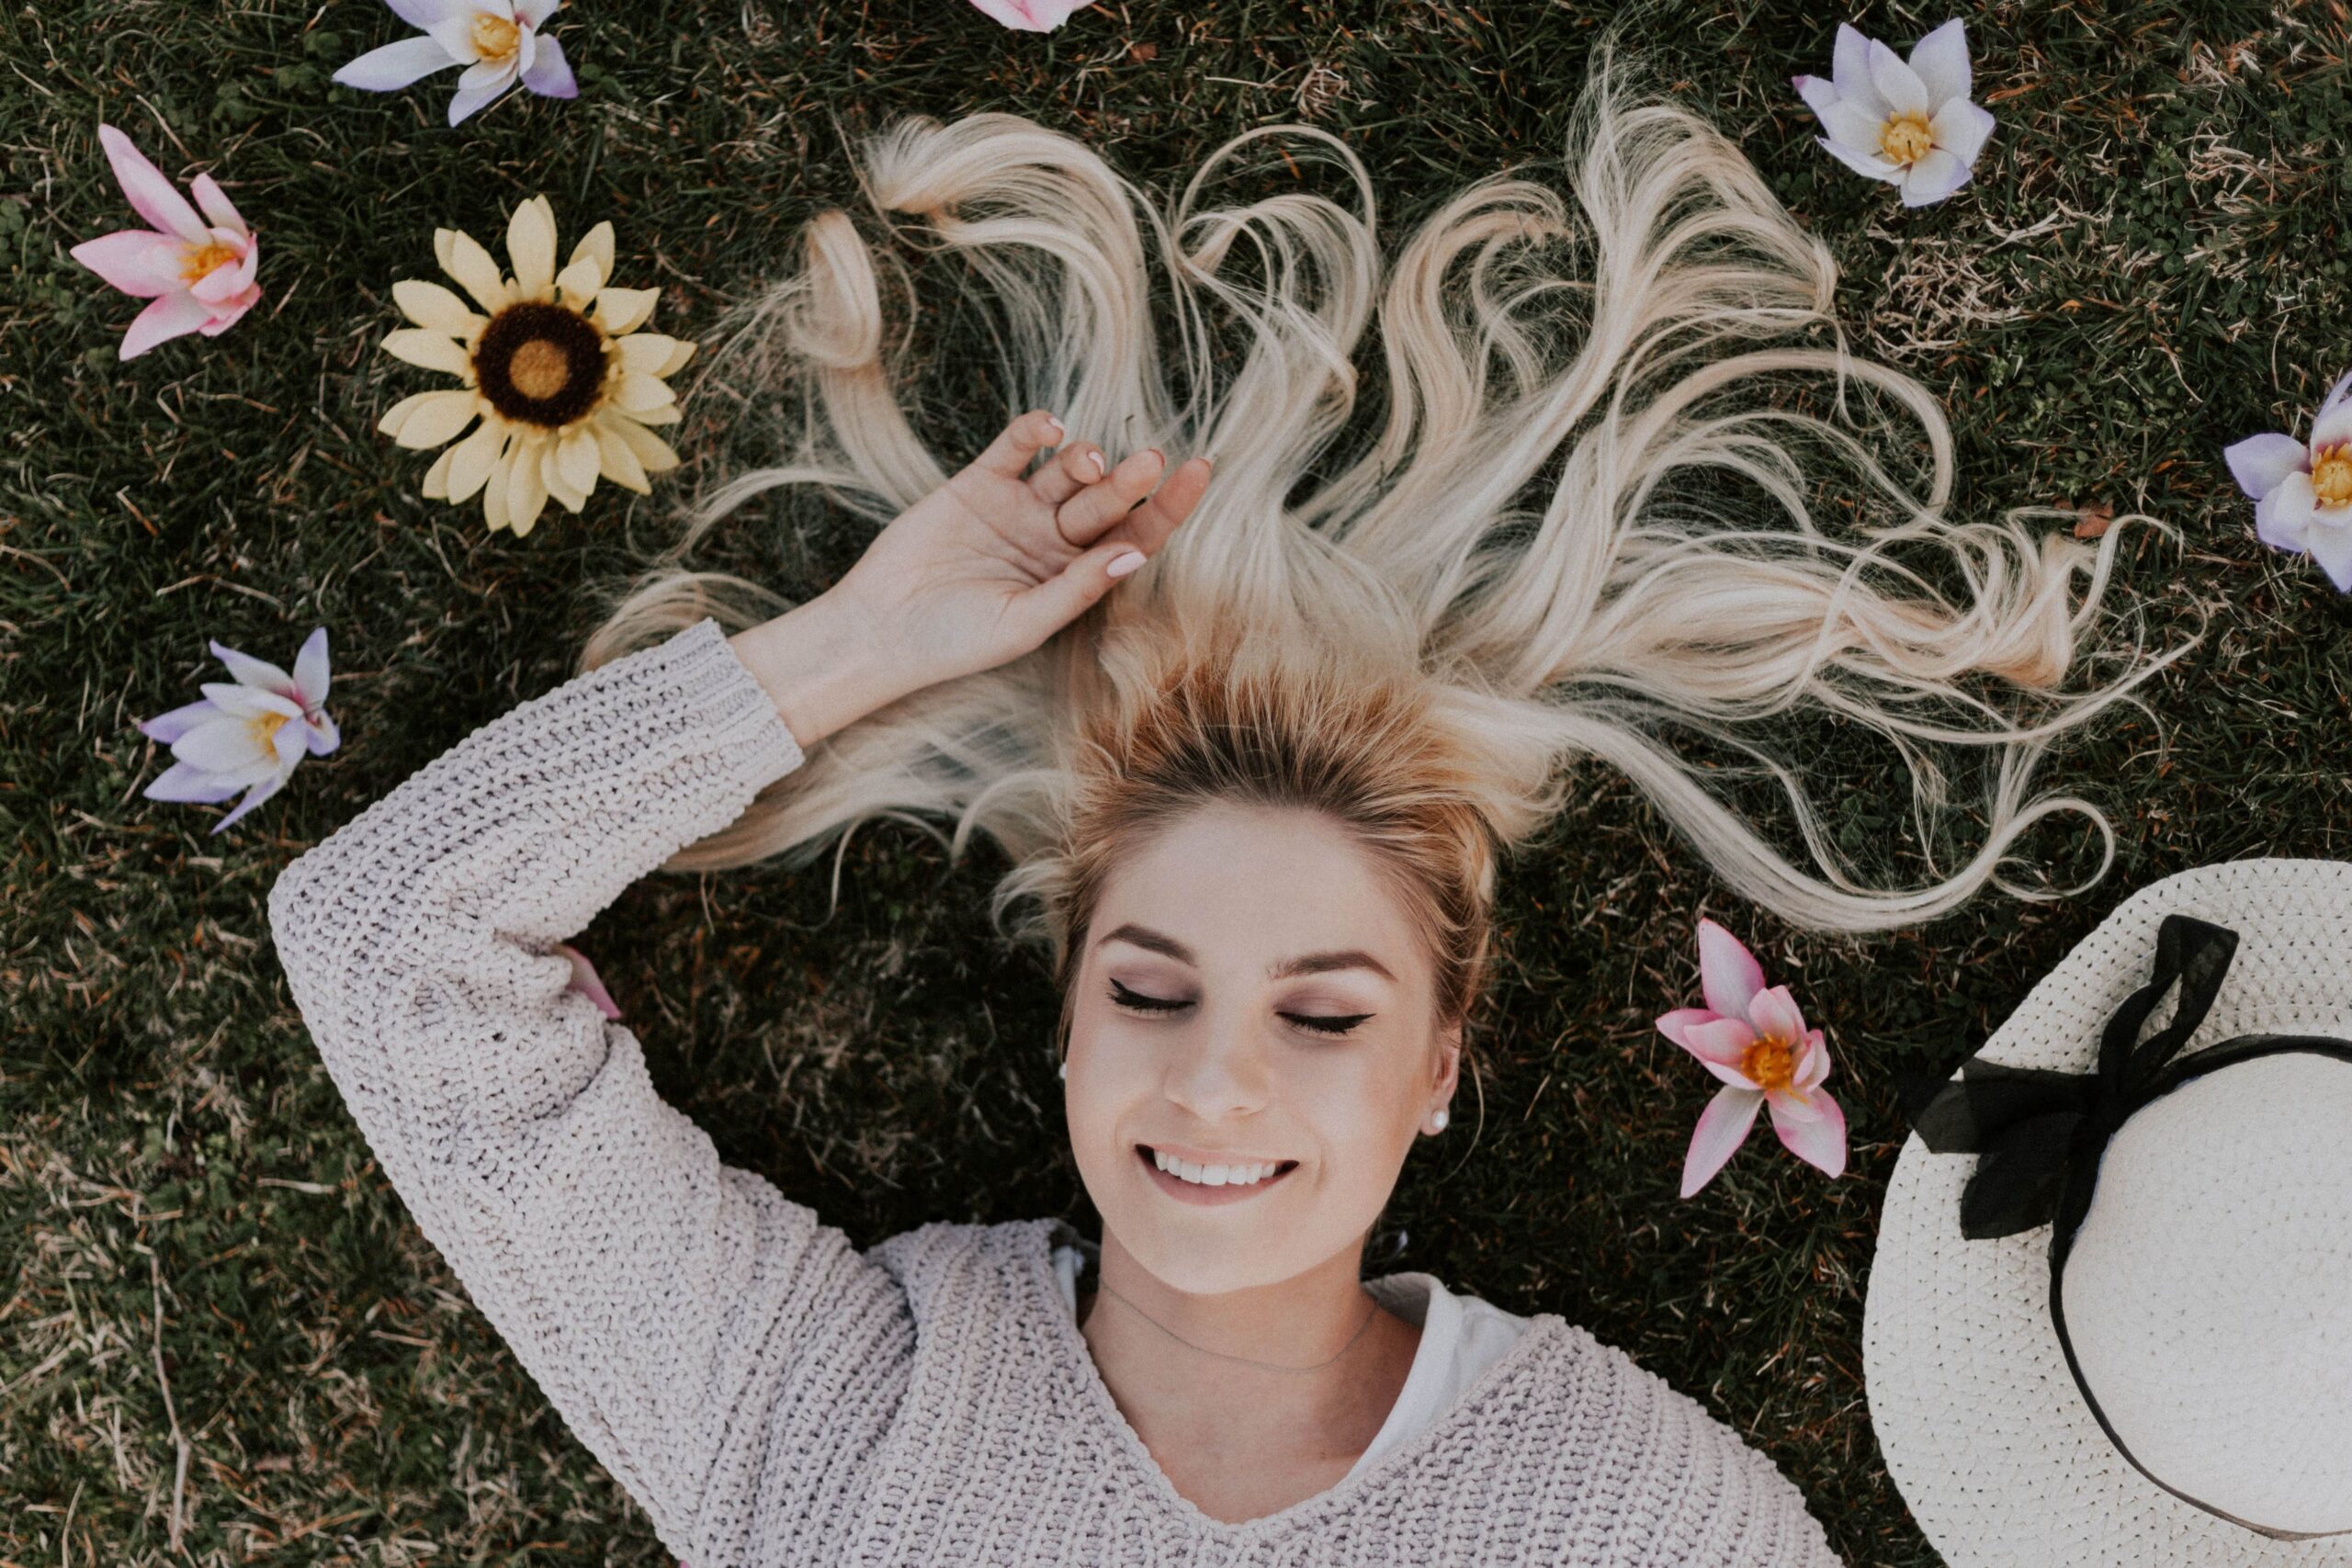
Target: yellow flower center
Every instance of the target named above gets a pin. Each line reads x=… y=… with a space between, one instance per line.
x=263 y=728
x=496 y=37
x=1906 y=139
x=198 y=260
x=2332 y=474
x=1771 y=1063
x=539 y=369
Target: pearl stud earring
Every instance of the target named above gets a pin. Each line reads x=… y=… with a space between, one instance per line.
x=1438 y=1119
x=1065 y=1072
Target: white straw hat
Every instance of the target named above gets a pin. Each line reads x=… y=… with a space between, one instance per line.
x=2188 y=1190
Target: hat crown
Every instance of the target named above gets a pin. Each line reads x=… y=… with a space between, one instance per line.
x=2208 y=1292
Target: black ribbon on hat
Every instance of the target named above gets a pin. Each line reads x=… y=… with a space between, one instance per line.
x=2039 y=1136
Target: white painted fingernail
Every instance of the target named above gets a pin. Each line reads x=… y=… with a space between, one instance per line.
x=1095 y=461
x=1056 y=426
x=1125 y=562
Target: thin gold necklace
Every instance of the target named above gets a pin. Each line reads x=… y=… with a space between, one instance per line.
x=1246 y=1361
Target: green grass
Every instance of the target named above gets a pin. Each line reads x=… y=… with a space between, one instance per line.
x=2149 y=263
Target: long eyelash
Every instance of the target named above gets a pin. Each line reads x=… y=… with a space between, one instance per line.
x=1335 y=1024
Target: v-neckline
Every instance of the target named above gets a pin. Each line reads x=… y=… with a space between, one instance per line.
x=1062 y=1330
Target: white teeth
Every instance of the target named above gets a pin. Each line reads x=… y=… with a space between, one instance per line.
x=1212 y=1175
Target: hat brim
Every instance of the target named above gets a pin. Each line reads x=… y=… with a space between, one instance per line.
x=1982 y=1426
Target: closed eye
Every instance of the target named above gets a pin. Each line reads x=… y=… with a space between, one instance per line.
x=1320 y=1023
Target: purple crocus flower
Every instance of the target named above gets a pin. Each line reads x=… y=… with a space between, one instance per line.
x=2302 y=490
x=245 y=734
x=498 y=41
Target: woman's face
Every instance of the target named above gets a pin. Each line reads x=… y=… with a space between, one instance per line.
x=1251 y=996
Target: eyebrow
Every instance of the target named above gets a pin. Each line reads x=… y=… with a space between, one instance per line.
x=1306 y=964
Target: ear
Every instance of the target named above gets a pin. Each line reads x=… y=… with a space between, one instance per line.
x=1448 y=1070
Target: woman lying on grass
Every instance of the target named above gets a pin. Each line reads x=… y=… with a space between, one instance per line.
x=1254 y=796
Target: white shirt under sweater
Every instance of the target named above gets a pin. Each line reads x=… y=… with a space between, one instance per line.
x=1461 y=1337
x=771 y=1394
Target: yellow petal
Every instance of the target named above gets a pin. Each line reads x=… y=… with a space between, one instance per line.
x=433 y=308
x=649 y=449
x=436 y=477
x=647 y=352
x=620 y=311
x=438 y=418
x=618 y=462
x=639 y=394
x=677 y=361
x=576 y=459
x=596 y=246
x=463 y=258
x=526 y=492
x=429 y=350
x=494 y=494
x=472 y=459
x=579 y=282
x=398 y=415
x=530 y=246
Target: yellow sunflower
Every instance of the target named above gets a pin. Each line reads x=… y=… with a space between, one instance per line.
x=564 y=381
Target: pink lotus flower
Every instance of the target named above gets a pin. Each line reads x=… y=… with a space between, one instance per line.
x=1756 y=1042
x=1031 y=15
x=198 y=270
x=247 y=734
x=585 y=981
x=2303 y=490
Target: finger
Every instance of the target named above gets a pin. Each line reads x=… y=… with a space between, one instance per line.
x=1098 y=506
x=1038 y=612
x=1010 y=452
x=1148 y=525
x=1073 y=468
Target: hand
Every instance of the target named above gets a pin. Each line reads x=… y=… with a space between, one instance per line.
x=980 y=572
x=989 y=565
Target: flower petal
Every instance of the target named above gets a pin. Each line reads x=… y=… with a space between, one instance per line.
x=618 y=462
x=218 y=209
x=2259 y=462
x=2282 y=519
x=1849 y=69
x=434 y=309
x=1932 y=178
x=1960 y=128
x=1813 y=1063
x=260 y=792
x=1897 y=82
x=651 y=450
x=140 y=262
x=1818 y=92
x=579 y=281
x=394 y=66
x=462 y=257
x=2331 y=546
x=1776 y=1016
x=585 y=980
x=166 y=728
x=2331 y=428
x=1720 y=1040
x=324 y=736
x=427 y=350
x=466 y=100
x=1723 y=1127
x=1788 y=1105
x=576 y=459
x=227 y=746
x=530 y=246
x=1853 y=129
x=647 y=352
x=167 y=316
x=1868 y=163
x=436 y=483
x=258 y=673
x=640 y=394
x=236 y=700
x=1941 y=61
x=596 y=246
x=549 y=75
x=677 y=360
x=311 y=674
x=1672 y=1024
x=2335 y=395
x=494 y=491
x=1820 y=1143
x=1728 y=973
x=471 y=461
x=186 y=784
x=151 y=196
x=221 y=286
x=526 y=490
x=438 y=418
x=620 y=311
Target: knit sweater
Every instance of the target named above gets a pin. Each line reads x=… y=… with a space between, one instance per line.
x=766 y=1391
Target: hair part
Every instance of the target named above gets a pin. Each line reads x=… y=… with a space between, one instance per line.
x=1580 y=522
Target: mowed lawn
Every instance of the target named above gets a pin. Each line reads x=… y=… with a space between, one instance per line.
x=197 y=1253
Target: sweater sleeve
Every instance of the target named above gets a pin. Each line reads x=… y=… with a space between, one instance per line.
x=698 y=1332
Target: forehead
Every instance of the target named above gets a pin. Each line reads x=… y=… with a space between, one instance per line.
x=1250 y=884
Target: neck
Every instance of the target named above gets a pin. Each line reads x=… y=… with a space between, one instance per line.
x=1164 y=1354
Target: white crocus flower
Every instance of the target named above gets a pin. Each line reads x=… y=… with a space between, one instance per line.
x=1911 y=125
x=498 y=42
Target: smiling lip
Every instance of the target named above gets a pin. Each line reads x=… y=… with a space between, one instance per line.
x=1185 y=1191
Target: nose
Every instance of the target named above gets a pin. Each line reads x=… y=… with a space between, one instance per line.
x=1219 y=1071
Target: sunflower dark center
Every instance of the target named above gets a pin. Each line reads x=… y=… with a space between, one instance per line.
x=540 y=364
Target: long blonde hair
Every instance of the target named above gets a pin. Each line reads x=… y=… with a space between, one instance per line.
x=1580 y=523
